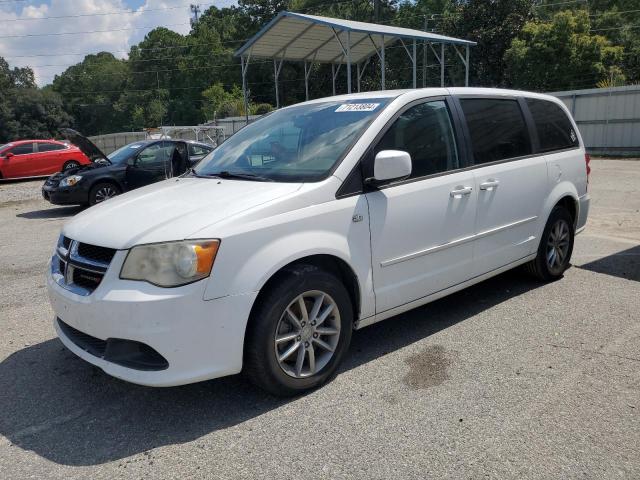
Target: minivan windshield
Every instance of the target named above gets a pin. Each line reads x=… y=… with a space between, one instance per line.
x=122 y=154
x=296 y=144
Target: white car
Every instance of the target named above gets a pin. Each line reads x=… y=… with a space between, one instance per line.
x=320 y=218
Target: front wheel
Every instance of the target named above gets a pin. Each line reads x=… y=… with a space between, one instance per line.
x=101 y=192
x=556 y=246
x=299 y=332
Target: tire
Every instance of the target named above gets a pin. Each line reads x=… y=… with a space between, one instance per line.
x=556 y=247
x=70 y=164
x=273 y=363
x=102 y=191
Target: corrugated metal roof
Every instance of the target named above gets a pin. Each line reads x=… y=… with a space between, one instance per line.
x=300 y=37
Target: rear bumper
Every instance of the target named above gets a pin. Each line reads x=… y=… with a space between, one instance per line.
x=583 y=212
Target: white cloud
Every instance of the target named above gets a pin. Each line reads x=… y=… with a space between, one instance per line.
x=52 y=54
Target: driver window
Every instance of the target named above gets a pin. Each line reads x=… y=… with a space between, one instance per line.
x=156 y=155
x=425 y=132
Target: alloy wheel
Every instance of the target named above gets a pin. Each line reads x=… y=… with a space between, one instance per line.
x=105 y=193
x=557 y=246
x=307 y=334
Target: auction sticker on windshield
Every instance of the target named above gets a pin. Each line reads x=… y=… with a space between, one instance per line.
x=357 y=107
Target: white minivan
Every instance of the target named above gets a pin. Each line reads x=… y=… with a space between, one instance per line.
x=317 y=219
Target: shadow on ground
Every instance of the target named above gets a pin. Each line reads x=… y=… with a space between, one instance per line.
x=625 y=264
x=59 y=212
x=69 y=412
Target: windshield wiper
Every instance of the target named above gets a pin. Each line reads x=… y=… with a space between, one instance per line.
x=243 y=176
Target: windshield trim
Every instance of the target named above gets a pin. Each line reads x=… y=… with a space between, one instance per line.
x=347 y=149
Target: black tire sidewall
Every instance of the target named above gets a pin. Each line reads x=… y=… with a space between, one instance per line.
x=96 y=187
x=263 y=327
x=557 y=213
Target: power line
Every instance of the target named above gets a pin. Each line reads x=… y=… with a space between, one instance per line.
x=114 y=12
x=56 y=34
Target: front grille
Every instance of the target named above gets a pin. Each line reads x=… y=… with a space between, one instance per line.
x=98 y=254
x=80 y=267
x=85 y=279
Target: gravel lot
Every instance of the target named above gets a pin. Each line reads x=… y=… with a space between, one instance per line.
x=508 y=379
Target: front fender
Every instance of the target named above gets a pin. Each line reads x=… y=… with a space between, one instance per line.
x=247 y=260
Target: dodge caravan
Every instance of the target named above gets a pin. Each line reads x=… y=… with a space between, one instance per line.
x=318 y=219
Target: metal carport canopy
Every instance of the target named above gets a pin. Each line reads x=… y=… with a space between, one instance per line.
x=314 y=39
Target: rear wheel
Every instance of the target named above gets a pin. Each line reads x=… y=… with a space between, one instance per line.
x=556 y=246
x=299 y=332
x=102 y=191
x=70 y=164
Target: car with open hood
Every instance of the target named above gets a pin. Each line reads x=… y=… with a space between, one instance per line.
x=132 y=166
x=315 y=220
x=38 y=158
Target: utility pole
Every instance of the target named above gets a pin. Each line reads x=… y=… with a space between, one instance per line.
x=376 y=11
x=195 y=9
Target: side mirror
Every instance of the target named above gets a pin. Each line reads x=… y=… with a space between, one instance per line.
x=390 y=165
x=8 y=155
x=132 y=161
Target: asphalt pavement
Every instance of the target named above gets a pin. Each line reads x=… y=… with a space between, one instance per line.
x=508 y=379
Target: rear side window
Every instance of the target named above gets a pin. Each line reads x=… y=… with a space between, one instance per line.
x=555 y=131
x=48 y=147
x=497 y=128
x=425 y=132
x=23 y=149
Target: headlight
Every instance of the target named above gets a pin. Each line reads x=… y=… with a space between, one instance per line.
x=170 y=264
x=70 y=181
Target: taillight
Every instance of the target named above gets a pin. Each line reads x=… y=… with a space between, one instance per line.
x=587 y=161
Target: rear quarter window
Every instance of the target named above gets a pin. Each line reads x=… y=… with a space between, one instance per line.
x=497 y=128
x=555 y=130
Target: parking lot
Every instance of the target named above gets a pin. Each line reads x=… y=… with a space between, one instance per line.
x=508 y=379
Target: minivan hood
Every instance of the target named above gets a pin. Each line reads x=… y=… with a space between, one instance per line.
x=170 y=210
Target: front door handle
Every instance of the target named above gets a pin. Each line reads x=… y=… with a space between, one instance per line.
x=460 y=190
x=490 y=184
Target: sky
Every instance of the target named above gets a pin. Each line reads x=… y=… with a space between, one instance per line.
x=30 y=37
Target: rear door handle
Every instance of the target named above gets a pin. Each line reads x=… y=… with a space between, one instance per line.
x=490 y=184
x=460 y=190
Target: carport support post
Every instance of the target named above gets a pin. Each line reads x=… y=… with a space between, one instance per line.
x=442 y=64
x=358 y=74
x=415 y=61
x=348 y=61
x=382 y=64
x=244 y=64
x=466 y=69
x=333 y=78
x=275 y=81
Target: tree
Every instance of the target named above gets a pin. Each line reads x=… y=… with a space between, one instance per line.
x=26 y=111
x=90 y=89
x=561 y=54
x=493 y=24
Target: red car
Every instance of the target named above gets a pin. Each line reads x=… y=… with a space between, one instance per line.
x=38 y=158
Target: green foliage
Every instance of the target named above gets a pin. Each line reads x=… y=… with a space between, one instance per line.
x=26 y=111
x=561 y=54
x=175 y=79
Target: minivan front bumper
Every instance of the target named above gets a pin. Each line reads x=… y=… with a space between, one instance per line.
x=198 y=339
